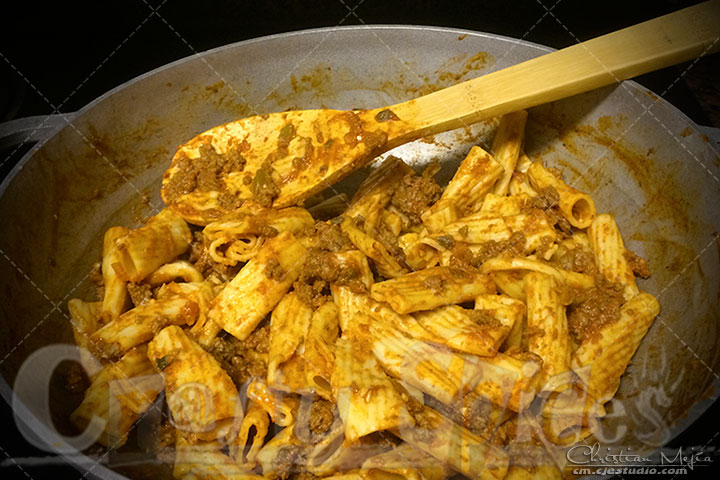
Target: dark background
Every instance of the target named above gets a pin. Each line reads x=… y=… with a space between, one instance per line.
x=59 y=56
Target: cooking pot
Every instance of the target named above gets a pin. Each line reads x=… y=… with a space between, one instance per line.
x=638 y=156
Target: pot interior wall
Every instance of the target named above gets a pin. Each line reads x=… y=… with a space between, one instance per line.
x=636 y=155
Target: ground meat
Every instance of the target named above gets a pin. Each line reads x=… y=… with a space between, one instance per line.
x=596 y=307
x=183 y=181
x=268 y=231
x=273 y=270
x=287 y=133
x=547 y=200
x=289 y=459
x=207 y=172
x=389 y=239
x=638 y=264
x=472 y=412
x=97 y=278
x=514 y=246
x=386 y=115
x=483 y=318
x=228 y=201
x=203 y=173
x=320 y=269
x=140 y=294
x=243 y=360
x=329 y=236
x=523 y=447
x=321 y=416
x=436 y=283
x=263 y=187
x=234 y=161
x=546 y=243
x=418 y=412
x=446 y=241
x=462 y=257
x=314 y=293
x=416 y=409
x=416 y=193
x=576 y=259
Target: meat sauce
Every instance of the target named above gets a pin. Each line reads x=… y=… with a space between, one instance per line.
x=463 y=257
x=205 y=174
x=320 y=267
x=322 y=414
x=140 y=294
x=243 y=360
x=416 y=193
x=547 y=200
x=595 y=307
x=201 y=259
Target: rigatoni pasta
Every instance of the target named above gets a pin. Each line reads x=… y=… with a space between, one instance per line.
x=259 y=286
x=415 y=332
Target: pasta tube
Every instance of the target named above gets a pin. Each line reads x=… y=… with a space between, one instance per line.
x=118 y=394
x=474 y=178
x=375 y=192
x=143 y=250
x=201 y=396
x=319 y=348
x=471 y=331
x=238 y=237
x=288 y=327
x=85 y=321
x=481 y=228
x=366 y=400
x=387 y=264
x=503 y=205
x=259 y=286
x=115 y=298
x=577 y=207
x=281 y=407
x=547 y=329
x=431 y=288
x=202 y=293
x=409 y=462
x=603 y=357
x=140 y=324
x=607 y=244
x=509 y=380
x=177 y=270
x=255 y=417
x=572 y=279
x=519 y=183
x=350 y=454
x=450 y=443
x=433 y=370
x=570 y=415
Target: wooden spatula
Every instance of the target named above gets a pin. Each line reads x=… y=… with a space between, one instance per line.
x=281 y=159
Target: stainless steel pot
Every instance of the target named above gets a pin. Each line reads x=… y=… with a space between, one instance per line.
x=639 y=157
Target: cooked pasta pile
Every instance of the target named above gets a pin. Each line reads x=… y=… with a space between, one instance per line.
x=410 y=332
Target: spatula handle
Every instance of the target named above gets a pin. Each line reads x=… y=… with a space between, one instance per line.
x=635 y=50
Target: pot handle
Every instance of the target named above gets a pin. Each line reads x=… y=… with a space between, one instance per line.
x=31 y=129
